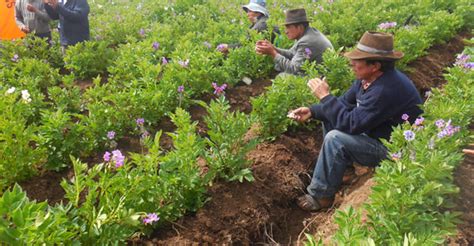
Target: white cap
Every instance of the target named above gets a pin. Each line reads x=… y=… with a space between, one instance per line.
x=256 y=6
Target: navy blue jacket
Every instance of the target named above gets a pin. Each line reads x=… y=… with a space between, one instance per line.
x=374 y=111
x=73 y=21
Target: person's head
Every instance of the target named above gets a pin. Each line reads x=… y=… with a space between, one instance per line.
x=255 y=9
x=373 y=54
x=365 y=69
x=296 y=23
x=296 y=31
x=253 y=15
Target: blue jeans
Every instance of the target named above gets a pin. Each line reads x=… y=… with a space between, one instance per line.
x=338 y=151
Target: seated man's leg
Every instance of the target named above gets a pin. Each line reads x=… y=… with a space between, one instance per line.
x=338 y=152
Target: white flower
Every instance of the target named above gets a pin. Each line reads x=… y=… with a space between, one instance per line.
x=11 y=90
x=25 y=95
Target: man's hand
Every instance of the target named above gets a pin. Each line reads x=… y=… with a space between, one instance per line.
x=300 y=114
x=25 y=29
x=319 y=87
x=264 y=47
x=31 y=8
x=470 y=151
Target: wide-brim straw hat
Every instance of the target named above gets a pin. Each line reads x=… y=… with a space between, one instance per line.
x=255 y=7
x=375 y=46
x=296 y=16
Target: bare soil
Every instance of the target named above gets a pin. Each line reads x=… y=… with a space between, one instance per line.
x=464 y=178
x=264 y=211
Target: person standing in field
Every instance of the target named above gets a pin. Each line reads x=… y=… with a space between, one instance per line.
x=310 y=44
x=31 y=17
x=73 y=16
x=380 y=98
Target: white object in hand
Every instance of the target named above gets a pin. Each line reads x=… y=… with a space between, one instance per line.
x=291 y=115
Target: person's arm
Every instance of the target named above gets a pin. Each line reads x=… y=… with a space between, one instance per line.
x=286 y=53
x=369 y=113
x=41 y=12
x=19 y=16
x=52 y=13
x=77 y=14
x=291 y=65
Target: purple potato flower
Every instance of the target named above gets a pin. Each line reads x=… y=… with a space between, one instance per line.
x=462 y=59
x=15 y=58
x=419 y=121
x=180 y=89
x=469 y=65
x=405 y=117
x=164 y=61
x=221 y=47
x=141 y=32
x=409 y=135
x=107 y=156
x=396 y=156
x=150 y=218
x=387 y=25
x=218 y=90
x=145 y=134
x=140 y=121
x=111 y=135
x=448 y=131
x=439 y=123
x=118 y=158
x=184 y=63
x=156 y=46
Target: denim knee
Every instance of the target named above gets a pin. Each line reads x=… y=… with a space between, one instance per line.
x=333 y=135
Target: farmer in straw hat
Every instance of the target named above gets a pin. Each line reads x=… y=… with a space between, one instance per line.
x=380 y=98
x=310 y=44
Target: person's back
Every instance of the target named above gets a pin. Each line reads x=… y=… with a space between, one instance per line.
x=316 y=42
x=73 y=20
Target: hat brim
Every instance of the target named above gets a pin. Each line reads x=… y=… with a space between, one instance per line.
x=255 y=8
x=295 y=22
x=357 y=54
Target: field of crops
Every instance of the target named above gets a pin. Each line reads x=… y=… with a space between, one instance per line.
x=147 y=134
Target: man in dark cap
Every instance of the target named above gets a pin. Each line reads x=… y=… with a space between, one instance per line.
x=380 y=98
x=310 y=44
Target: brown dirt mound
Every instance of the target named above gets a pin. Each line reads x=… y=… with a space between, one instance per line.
x=46 y=186
x=240 y=212
x=427 y=71
x=464 y=178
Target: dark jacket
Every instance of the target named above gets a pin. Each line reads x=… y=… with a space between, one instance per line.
x=374 y=111
x=73 y=21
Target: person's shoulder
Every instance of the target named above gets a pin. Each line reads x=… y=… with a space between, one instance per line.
x=312 y=36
